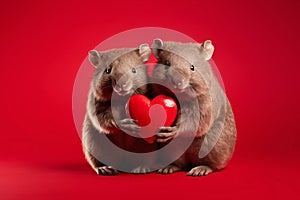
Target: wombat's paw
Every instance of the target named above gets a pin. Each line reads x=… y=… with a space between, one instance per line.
x=168 y=170
x=166 y=133
x=106 y=170
x=129 y=125
x=201 y=170
x=141 y=170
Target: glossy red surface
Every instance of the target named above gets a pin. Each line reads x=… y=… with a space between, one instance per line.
x=169 y=106
x=138 y=109
x=151 y=114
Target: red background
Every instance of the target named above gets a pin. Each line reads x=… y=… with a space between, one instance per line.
x=43 y=44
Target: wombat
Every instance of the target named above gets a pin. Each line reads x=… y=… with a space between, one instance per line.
x=184 y=67
x=122 y=71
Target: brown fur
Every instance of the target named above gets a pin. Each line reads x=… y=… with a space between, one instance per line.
x=215 y=112
x=99 y=121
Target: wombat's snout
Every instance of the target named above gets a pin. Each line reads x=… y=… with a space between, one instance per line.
x=122 y=87
x=177 y=80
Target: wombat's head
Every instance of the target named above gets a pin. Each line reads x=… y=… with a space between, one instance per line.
x=183 y=65
x=121 y=70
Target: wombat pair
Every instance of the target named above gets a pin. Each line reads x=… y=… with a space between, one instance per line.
x=184 y=73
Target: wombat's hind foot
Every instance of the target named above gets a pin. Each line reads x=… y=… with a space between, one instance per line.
x=106 y=170
x=169 y=169
x=201 y=170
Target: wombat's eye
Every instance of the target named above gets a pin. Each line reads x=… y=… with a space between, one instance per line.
x=192 y=67
x=168 y=63
x=133 y=70
x=108 y=70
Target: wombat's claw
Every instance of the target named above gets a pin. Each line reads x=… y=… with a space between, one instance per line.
x=106 y=170
x=128 y=121
x=129 y=125
x=141 y=170
x=200 y=171
x=168 y=170
x=165 y=133
x=167 y=129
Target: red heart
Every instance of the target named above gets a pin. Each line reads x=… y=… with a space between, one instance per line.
x=151 y=115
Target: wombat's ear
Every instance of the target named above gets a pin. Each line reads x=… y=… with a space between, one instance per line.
x=144 y=52
x=208 y=49
x=157 y=46
x=94 y=57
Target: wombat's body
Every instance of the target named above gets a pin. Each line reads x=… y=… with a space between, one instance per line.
x=185 y=68
x=122 y=71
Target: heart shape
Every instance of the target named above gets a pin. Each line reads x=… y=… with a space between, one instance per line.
x=151 y=114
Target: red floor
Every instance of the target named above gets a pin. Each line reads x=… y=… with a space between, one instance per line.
x=258 y=179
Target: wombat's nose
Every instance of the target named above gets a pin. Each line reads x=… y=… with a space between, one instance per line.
x=120 y=86
x=177 y=83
